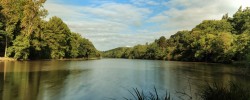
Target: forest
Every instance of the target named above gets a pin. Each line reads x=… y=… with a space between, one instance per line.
x=219 y=41
x=25 y=34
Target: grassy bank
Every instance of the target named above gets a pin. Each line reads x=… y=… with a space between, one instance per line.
x=215 y=91
x=234 y=91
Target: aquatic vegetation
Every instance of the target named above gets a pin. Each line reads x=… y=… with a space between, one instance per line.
x=215 y=91
x=234 y=91
x=140 y=95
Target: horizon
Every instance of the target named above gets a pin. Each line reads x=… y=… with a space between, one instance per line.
x=109 y=24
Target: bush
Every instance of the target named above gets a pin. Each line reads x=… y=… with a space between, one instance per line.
x=234 y=91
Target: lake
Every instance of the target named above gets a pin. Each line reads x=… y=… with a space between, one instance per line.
x=108 y=79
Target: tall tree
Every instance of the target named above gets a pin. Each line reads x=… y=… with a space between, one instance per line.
x=28 y=36
x=56 y=36
x=2 y=38
x=11 y=10
x=2 y=33
x=225 y=17
x=32 y=13
x=24 y=17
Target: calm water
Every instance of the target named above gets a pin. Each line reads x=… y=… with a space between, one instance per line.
x=108 y=78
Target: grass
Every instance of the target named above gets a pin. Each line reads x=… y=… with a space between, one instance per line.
x=139 y=95
x=235 y=91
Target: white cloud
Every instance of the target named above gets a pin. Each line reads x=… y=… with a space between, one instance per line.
x=243 y=3
x=63 y=11
x=122 y=40
x=185 y=14
x=105 y=25
x=123 y=13
x=109 y=25
x=146 y=2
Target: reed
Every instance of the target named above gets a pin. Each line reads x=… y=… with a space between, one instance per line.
x=140 y=95
x=234 y=91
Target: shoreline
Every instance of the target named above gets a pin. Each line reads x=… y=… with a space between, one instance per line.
x=76 y=59
x=7 y=59
x=231 y=63
x=64 y=59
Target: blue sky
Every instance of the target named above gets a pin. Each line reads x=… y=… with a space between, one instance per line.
x=115 y=23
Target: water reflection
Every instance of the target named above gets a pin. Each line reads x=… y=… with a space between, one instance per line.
x=107 y=78
x=27 y=81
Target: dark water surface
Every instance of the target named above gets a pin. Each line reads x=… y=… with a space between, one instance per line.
x=108 y=78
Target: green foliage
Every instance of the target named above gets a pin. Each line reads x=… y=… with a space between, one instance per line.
x=222 y=41
x=74 y=44
x=87 y=49
x=20 y=48
x=241 y=21
x=162 y=42
x=56 y=36
x=213 y=26
x=121 y=52
x=218 y=92
x=2 y=38
x=28 y=36
x=138 y=51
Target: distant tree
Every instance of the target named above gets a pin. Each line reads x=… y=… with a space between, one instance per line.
x=222 y=41
x=138 y=51
x=162 y=42
x=241 y=21
x=225 y=17
x=213 y=26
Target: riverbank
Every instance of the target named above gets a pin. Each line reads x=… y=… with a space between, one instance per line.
x=7 y=59
x=214 y=91
x=64 y=59
x=94 y=58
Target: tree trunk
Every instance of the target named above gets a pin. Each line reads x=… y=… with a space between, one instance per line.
x=6 y=46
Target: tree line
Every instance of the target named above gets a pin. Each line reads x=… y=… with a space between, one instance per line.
x=222 y=41
x=25 y=34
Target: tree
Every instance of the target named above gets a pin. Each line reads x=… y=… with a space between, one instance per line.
x=32 y=13
x=241 y=21
x=225 y=17
x=224 y=48
x=56 y=35
x=138 y=51
x=31 y=24
x=74 y=45
x=11 y=10
x=2 y=33
x=162 y=42
x=22 y=20
x=213 y=26
x=221 y=41
x=28 y=36
x=20 y=48
x=242 y=46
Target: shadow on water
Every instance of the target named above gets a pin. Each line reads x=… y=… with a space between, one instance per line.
x=24 y=81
